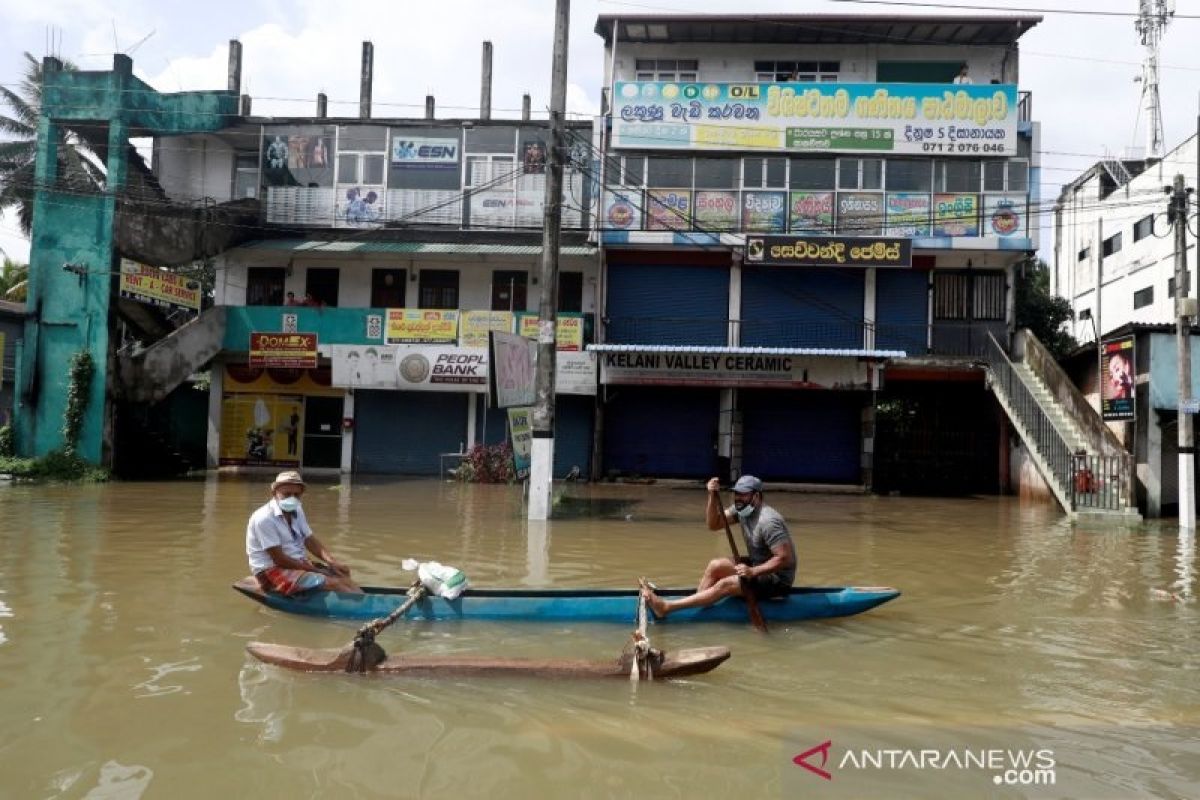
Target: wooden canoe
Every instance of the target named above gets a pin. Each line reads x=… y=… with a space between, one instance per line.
x=567 y=605
x=674 y=664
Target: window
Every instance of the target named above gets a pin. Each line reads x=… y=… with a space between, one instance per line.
x=681 y=70
x=1143 y=227
x=508 y=290
x=387 y=288
x=1111 y=245
x=439 y=288
x=1170 y=287
x=764 y=173
x=956 y=176
x=813 y=173
x=570 y=291
x=669 y=173
x=716 y=173
x=1005 y=176
x=797 y=71
x=909 y=175
x=625 y=171
x=1085 y=254
x=264 y=286
x=860 y=173
x=493 y=171
x=245 y=178
x=1144 y=297
x=969 y=296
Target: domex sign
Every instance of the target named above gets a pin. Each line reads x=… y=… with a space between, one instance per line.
x=914 y=118
x=828 y=251
x=420 y=151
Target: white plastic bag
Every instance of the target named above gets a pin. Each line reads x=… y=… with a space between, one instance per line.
x=439 y=579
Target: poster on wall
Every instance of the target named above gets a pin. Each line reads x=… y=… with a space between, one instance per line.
x=364 y=367
x=533 y=158
x=1004 y=215
x=716 y=211
x=262 y=430
x=764 y=212
x=622 y=210
x=421 y=326
x=513 y=382
x=424 y=152
x=568 y=329
x=908 y=214
x=956 y=215
x=668 y=209
x=1117 y=379
x=860 y=213
x=476 y=324
x=359 y=206
x=811 y=212
x=298 y=157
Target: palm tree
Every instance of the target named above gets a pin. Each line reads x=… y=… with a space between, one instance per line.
x=14 y=280
x=78 y=165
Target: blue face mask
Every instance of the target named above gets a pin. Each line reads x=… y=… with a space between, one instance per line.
x=290 y=504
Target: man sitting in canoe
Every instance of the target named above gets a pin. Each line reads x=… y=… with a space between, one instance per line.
x=771 y=566
x=277 y=537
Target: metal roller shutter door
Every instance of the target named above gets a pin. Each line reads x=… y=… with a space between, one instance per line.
x=402 y=433
x=810 y=437
x=802 y=307
x=667 y=304
x=661 y=431
x=572 y=431
x=901 y=310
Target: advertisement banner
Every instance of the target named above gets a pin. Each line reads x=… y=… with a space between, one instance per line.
x=359 y=206
x=764 y=211
x=912 y=118
x=514 y=381
x=811 y=212
x=956 y=215
x=298 y=156
x=622 y=210
x=426 y=152
x=148 y=284
x=742 y=369
x=441 y=368
x=1118 y=376
x=493 y=207
x=261 y=429
x=828 y=251
x=520 y=431
x=908 y=214
x=716 y=211
x=421 y=326
x=568 y=329
x=474 y=326
x=1004 y=215
x=668 y=209
x=290 y=350
x=860 y=213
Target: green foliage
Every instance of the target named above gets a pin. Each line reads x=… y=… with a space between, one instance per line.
x=487 y=464
x=1042 y=313
x=14 y=281
x=82 y=370
x=7 y=446
x=58 y=465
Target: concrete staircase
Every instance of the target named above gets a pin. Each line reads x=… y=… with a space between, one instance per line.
x=150 y=375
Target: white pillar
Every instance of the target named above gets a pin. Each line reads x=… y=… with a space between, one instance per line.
x=348 y=433
x=541 y=468
x=869 y=310
x=1151 y=473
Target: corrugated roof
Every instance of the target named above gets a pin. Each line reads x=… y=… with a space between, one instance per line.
x=738 y=351
x=450 y=248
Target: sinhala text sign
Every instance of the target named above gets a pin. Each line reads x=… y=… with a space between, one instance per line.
x=805 y=117
x=828 y=251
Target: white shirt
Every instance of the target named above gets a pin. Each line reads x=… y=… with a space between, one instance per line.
x=269 y=528
x=963 y=79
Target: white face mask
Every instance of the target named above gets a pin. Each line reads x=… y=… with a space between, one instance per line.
x=290 y=504
x=745 y=511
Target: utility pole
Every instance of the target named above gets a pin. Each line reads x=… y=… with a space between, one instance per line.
x=1184 y=310
x=541 y=457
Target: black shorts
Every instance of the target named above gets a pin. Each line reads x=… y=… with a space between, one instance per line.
x=772 y=585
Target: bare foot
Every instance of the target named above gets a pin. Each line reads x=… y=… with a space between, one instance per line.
x=655 y=603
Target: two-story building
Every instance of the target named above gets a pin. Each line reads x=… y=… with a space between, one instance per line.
x=809 y=226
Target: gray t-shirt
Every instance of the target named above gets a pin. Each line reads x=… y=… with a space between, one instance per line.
x=763 y=530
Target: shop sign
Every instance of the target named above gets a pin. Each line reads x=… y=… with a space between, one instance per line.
x=423 y=151
x=828 y=251
x=147 y=284
x=291 y=350
x=421 y=326
x=734 y=369
x=520 y=431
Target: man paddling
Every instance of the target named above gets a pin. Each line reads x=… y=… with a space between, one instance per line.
x=770 y=568
x=277 y=538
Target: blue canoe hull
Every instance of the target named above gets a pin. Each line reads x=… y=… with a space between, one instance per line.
x=569 y=605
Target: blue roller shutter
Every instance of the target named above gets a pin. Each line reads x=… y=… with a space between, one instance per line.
x=802 y=307
x=804 y=436
x=901 y=310
x=667 y=304
x=572 y=431
x=666 y=432
x=402 y=433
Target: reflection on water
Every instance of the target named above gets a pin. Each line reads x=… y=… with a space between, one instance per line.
x=123 y=670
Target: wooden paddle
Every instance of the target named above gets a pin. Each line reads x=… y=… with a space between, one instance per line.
x=756 y=617
x=365 y=652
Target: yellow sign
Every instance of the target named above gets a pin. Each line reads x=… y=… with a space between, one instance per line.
x=294 y=350
x=568 y=333
x=421 y=326
x=476 y=324
x=151 y=285
x=262 y=429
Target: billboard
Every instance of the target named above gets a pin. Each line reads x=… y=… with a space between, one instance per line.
x=1117 y=378
x=425 y=151
x=155 y=286
x=828 y=251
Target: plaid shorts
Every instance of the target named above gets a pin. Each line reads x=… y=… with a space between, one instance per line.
x=289 y=581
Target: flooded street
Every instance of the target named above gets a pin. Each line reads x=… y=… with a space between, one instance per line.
x=123 y=675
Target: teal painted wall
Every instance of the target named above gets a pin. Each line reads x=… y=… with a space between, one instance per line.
x=332 y=325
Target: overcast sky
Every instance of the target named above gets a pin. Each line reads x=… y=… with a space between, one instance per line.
x=1081 y=69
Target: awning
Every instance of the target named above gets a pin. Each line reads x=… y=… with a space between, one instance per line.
x=420 y=248
x=739 y=351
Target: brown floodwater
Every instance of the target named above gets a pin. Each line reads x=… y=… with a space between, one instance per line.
x=123 y=674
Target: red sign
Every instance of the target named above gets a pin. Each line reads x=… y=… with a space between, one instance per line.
x=295 y=350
